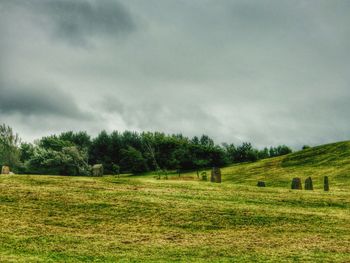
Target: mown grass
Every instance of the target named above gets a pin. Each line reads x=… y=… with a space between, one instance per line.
x=332 y=160
x=141 y=219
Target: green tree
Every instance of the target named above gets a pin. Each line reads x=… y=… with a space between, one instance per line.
x=116 y=169
x=133 y=161
x=246 y=153
x=80 y=139
x=279 y=150
x=68 y=161
x=26 y=151
x=263 y=154
x=205 y=140
x=231 y=152
x=99 y=151
x=200 y=164
x=9 y=146
x=217 y=156
x=53 y=142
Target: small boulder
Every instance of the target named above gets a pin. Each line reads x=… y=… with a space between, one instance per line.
x=326 y=184
x=97 y=170
x=296 y=183
x=204 y=176
x=215 y=175
x=261 y=184
x=308 y=184
x=5 y=170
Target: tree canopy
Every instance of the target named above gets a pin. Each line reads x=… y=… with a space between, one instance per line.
x=73 y=153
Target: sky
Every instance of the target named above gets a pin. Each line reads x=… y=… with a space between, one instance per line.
x=266 y=71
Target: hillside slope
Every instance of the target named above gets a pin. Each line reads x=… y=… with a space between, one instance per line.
x=106 y=219
x=332 y=160
x=182 y=219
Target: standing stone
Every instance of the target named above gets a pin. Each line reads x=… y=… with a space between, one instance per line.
x=296 y=183
x=215 y=175
x=261 y=184
x=5 y=170
x=326 y=184
x=212 y=177
x=308 y=184
x=204 y=176
x=97 y=170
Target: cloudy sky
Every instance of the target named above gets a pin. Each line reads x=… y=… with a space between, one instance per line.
x=265 y=71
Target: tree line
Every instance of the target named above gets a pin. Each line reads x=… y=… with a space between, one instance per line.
x=73 y=153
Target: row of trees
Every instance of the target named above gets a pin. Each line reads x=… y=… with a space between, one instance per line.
x=73 y=153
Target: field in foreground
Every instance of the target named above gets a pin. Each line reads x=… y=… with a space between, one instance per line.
x=141 y=219
x=71 y=219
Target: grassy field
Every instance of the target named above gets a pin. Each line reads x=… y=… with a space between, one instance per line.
x=141 y=219
x=332 y=160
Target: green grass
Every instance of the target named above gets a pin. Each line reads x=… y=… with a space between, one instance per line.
x=141 y=219
x=332 y=160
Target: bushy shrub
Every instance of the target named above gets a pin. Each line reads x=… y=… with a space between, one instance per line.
x=9 y=150
x=68 y=161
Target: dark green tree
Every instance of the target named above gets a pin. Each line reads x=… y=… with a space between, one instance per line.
x=9 y=147
x=80 y=139
x=100 y=151
x=54 y=143
x=133 y=161
x=26 y=151
x=246 y=153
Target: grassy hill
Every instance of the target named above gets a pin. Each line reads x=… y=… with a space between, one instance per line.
x=332 y=160
x=141 y=219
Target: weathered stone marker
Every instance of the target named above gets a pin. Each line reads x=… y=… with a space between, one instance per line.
x=296 y=183
x=308 y=184
x=204 y=176
x=5 y=170
x=261 y=184
x=97 y=170
x=326 y=184
x=215 y=175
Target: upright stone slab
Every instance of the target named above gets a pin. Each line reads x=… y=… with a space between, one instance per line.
x=212 y=176
x=204 y=176
x=296 y=183
x=261 y=184
x=308 y=184
x=97 y=170
x=5 y=170
x=326 y=184
x=215 y=175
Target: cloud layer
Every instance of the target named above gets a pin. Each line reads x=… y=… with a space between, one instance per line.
x=269 y=72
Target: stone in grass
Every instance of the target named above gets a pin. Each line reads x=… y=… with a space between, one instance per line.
x=204 y=176
x=5 y=170
x=97 y=170
x=308 y=184
x=326 y=184
x=215 y=175
x=296 y=183
x=261 y=184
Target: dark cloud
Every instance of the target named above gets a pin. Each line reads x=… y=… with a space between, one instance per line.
x=269 y=72
x=38 y=100
x=173 y=118
x=77 y=21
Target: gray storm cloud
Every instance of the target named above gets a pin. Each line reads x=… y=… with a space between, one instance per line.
x=269 y=72
x=37 y=100
x=75 y=21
